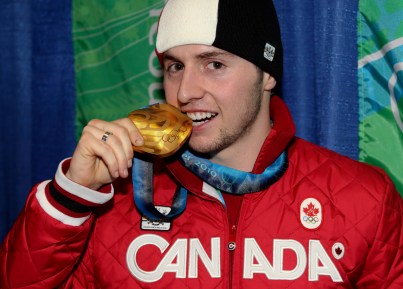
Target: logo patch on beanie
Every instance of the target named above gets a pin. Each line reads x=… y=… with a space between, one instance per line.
x=269 y=52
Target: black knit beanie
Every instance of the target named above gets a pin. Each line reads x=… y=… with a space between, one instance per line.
x=247 y=28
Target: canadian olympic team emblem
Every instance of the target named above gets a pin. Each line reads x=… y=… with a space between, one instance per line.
x=311 y=213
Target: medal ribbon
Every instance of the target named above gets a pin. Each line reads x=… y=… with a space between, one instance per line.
x=223 y=178
x=142 y=177
x=233 y=181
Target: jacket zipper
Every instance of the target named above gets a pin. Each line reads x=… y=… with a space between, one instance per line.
x=234 y=208
x=231 y=248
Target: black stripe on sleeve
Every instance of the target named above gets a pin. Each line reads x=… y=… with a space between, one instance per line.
x=67 y=202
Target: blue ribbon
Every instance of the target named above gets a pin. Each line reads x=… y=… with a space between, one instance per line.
x=233 y=181
x=223 y=178
x=142 y=177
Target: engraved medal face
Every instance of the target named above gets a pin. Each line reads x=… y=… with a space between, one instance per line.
x=164 y=128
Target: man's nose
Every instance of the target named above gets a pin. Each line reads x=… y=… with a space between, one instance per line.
x=190 y=86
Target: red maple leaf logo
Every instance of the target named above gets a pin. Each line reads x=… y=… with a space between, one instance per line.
x=339 y=251
x=311 y=211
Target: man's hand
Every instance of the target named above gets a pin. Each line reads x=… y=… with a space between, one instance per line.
x=104 y=152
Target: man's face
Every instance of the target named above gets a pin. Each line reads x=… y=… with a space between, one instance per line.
x=221 y=92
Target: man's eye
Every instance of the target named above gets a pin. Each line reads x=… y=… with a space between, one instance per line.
x=215 y=65
x=175 y=67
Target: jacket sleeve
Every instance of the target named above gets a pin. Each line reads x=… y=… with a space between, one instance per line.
x=384 y=264
x=49 y=237
x=82 y=277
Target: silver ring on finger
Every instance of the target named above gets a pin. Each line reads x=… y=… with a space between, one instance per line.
x=105 y=136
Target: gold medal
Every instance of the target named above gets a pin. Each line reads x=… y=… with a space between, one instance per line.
x=163 y=127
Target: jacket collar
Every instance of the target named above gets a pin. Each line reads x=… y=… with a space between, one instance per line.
x=281 y=134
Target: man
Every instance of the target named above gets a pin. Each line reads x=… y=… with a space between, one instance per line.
x=264 y=209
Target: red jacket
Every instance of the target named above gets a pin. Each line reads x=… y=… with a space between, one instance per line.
x=329 y=222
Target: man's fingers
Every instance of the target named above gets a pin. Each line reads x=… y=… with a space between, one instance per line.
x=134 y=134
x=115 y=137
x=131 y=137
x=104 y=152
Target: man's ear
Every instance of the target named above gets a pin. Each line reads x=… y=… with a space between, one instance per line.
x=269 y=82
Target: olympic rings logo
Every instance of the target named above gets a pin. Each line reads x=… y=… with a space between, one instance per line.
x=311 y=213
x=169 y=137
x=310 y=220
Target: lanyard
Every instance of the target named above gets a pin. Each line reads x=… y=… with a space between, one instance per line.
x=234 y=181
x=222 y=178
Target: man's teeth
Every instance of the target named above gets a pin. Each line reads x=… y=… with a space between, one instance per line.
x=195 y=116
x=199 y=118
